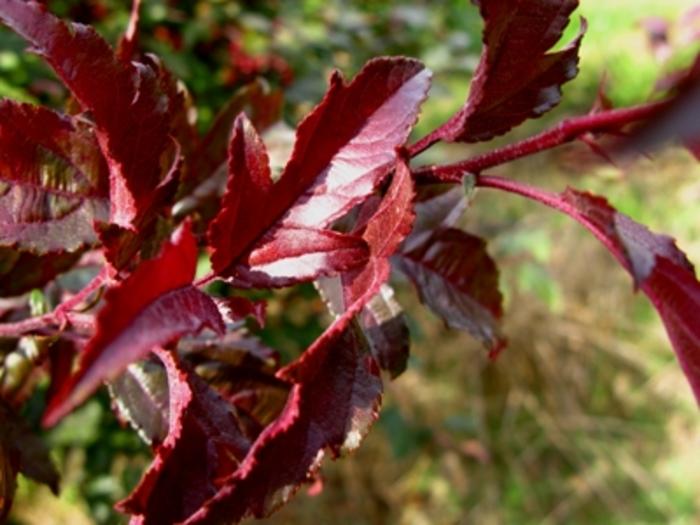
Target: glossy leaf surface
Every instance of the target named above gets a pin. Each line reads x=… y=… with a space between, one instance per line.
x=343 y=150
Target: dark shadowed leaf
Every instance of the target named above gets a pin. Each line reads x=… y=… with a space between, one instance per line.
x=343 y=149
x=437 y=206
x=203 y=445
x=53 y=180
x=678 y=120
x=21 y=451
x=140 y=397
x=153 y=306
x=336 y=387
x=457 y=279
x=384 y=223
x=657 y=266
x=242 y=370
x=518 y=77
x=384 y=324
x=22 y=271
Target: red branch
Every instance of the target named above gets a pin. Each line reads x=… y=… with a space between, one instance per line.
x=547 y=198
x=564 y=132
x=61 y=315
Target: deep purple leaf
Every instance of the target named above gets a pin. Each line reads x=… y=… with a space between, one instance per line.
x=518 y=77
x=54 y=180
x=203 y=444
x=457 y=279
x=153 y=306
x=336 y=385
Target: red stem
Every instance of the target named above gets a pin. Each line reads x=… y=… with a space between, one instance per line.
x=61 y=314
x=564 y=132
x=552 y=200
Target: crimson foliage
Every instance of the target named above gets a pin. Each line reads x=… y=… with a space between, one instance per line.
x=126 y=183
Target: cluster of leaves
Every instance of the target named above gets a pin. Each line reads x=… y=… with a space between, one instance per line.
x=122 y=184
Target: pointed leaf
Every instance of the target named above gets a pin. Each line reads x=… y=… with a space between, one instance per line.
x=285 y=255
x=344 y=148
x=388 y=226
x=336 y=384
x=457 y=279
x=153 y=306
x=53 y=180
x=517 y=77
x=203 y=444
x=262 y=106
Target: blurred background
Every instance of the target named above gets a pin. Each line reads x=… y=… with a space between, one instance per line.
x=585 y=418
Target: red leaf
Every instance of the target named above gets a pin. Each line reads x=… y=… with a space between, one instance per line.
x=284 y=255
x=261 y=105
x=238 y=308
x=203 y=444
x=129 y=105
x=658 y=267
x=343 y=150
x=458 y=280
x=55 y=180
x=153 y=306
x=335 y=398
x=437 y=206
x=336 y=385
x=517 y=77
